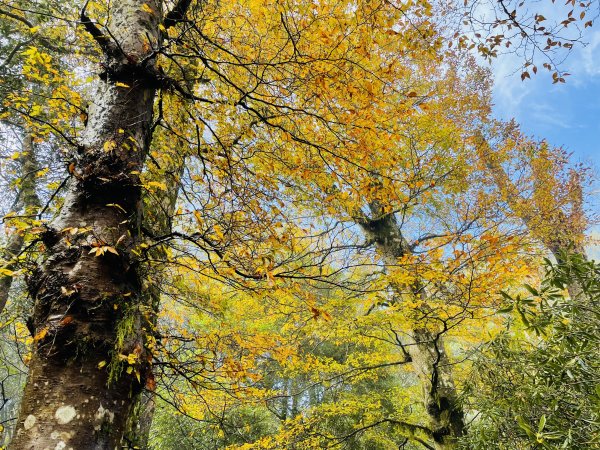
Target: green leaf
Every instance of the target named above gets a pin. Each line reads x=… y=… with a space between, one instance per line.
x=542 y=423
x=531 y=289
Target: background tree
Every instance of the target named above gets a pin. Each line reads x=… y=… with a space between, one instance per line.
x=536 y=381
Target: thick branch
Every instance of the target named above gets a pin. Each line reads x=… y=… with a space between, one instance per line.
x=104 y=42
x=16 y=17
x=177 y=14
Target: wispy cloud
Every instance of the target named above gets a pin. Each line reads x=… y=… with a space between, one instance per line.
x=509 y=92
x=589 y=56
x=541 y=105
x=549 y=116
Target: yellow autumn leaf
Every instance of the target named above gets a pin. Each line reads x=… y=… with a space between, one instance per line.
x=109 y=146
x=6 y=272
x=41 y=173
x=111 y=250
x=157 y=184
x=41 y=334
x=97 y=250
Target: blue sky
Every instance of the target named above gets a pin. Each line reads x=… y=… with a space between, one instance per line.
x=567 y=115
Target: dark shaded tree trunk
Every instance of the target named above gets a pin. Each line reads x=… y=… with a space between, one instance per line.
x=87 y=294
x=426 y=347
x=157 y=224
x=27 y=203
x=139 y=423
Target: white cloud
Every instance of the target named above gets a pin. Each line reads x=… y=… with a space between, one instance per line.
x=583 y=63
x=509 y=91
x=549 y=115
x=531 y=98
x=590 y=55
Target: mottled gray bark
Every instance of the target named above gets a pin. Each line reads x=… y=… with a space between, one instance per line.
x=86 y=297
x=426 y=347
x=27 y=203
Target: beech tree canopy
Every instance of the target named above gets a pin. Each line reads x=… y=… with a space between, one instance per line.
x=289 y=224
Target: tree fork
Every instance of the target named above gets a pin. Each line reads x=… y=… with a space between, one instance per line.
x=87 y=293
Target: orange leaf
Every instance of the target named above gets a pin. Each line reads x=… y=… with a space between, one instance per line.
x=150 y=382
x=41 y=334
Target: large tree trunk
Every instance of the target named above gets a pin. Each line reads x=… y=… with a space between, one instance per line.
x=446 y=417
x=426 y=347
x=87 y=293
x=27 y=203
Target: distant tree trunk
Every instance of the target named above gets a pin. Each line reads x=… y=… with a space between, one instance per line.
x=157 y=223
x=27 y=203
x=426 y=349
x=87 y=293
x=139 y=422
x=560 y=230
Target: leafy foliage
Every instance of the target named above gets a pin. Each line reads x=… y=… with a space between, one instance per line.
x=316 y=194
x=536 y=384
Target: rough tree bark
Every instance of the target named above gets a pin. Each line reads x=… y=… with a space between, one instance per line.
x=87 y=293
x=27 y=203
x=426 y=349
